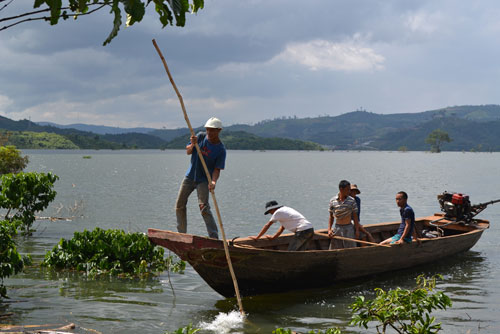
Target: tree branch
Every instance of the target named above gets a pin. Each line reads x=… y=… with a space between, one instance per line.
x=8 y=3
x=46 y=18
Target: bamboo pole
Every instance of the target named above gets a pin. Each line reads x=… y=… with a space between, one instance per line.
x=209 y=178
x=356 y=240
x=360 y=241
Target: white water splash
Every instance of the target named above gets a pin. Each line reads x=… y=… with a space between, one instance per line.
x=224 y=323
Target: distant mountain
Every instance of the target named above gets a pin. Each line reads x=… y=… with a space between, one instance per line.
x=82 y=139
x=26 y=134
x=240 y=140
x=366 y=130
x=470 y=127
x=99 y=129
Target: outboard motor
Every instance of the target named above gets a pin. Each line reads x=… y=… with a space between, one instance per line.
x=457 y=207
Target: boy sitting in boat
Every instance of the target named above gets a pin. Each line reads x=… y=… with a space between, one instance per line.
x=291 y=220
x=407 y=227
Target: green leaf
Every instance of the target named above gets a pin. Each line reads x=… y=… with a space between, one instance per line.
x=117 y=22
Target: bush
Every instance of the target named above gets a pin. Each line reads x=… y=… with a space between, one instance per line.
x=24 y=194
x=110 y=252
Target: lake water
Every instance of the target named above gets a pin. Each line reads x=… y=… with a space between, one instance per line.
x=135 y=190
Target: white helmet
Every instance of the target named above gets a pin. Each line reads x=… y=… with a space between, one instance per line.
x=213 y=122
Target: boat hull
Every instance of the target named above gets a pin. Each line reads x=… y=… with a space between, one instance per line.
x=261 y=271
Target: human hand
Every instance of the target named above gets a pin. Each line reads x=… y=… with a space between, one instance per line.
x=211 y=186
x=331 y=234
x=193 y=140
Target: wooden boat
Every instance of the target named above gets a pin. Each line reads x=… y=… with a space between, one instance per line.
x=265 y=266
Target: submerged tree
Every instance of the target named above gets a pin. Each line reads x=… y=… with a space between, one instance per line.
x=169 y=11
x=436 y=138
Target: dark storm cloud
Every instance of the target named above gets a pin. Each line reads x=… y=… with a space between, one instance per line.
x=251 y=60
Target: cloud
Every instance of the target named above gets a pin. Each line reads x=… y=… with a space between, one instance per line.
x=5 y=101
x=423 y=21
x=325 y=55
x=245 y=61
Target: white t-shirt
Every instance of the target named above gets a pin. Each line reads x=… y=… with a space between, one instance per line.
x=291 y=219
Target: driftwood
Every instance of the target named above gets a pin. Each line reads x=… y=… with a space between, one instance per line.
x=67 y=219
x=37 y=329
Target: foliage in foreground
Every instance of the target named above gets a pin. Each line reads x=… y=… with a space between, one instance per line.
x=24 y=194
x=185 y=330
x=110 y=252
x=11 y=261
x=405 y=311
x=134 y=10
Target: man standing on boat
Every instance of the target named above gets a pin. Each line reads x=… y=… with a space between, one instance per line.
x=214 y=154
x=291 y=220
x=407 y=226
x=343 y=208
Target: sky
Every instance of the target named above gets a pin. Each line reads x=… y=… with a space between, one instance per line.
x=253 y=60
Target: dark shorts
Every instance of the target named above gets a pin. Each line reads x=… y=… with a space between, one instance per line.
x=300 y=240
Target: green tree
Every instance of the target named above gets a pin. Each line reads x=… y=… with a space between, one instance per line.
x=24 y=194
x=436 y=138
x=11 y=160
x=169 y=11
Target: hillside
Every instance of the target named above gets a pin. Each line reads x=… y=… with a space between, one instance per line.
x=38 y=140
x=470 y=127
x=28 y=135
x=466 y=136
x=99 y=129
x=82 y=139
x=366 y=130
x=240 y=140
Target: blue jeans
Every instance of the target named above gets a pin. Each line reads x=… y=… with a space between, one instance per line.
x=187 y=187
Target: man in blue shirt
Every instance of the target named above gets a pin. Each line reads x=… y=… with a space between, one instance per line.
x=407 y=226
x=214 y=154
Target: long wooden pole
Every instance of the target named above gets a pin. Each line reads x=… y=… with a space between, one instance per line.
x=209 y=178
x=360 y=241
x=356 y=240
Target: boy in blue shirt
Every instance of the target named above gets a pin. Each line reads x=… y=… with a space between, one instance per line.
x=407 y=226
